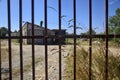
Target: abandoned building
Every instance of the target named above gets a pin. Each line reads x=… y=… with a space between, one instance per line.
x=39 y=31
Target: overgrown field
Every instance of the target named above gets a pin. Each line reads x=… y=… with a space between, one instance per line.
x=98 y=64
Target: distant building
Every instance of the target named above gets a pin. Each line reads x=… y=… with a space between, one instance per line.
x=63 y=32
x=39 y=31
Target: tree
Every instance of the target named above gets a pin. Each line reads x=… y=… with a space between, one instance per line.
x=15 y=31
x=114 y=23
x=3 y=31
x=88 y=32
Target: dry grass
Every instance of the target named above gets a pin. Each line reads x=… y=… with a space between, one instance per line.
x=15 y=56
x=98 y=65
x=27 y=67
x=4 y=53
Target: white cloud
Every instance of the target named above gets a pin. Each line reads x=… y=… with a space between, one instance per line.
x=113 y=1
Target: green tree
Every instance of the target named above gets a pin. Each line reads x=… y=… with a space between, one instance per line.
x=15 y=31
x=88 y=32
x=114 y=23
x=3 y=31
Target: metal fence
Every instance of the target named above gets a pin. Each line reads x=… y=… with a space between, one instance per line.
x=45 y=37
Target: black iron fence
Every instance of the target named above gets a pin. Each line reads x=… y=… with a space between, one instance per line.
x=45 y=37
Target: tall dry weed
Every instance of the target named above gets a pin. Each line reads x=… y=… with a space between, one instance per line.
x=98 y=64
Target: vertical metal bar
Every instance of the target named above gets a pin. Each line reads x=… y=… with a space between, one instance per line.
x=46 y=48
x=0 y=59
x=9 y=40
x=33 y=47
x=106 y=40
x=59 y=16
x=74 y=18
x=21 y=49
x=90 y=41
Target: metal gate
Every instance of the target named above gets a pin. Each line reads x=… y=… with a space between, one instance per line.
x=45 y=37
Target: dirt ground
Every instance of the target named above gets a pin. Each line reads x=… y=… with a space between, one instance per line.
x=53 y=60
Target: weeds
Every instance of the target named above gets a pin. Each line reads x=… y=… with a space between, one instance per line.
x=98 y=64
x=4 y=53
x=26 y=67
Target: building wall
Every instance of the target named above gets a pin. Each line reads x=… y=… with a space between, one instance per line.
x=56 y=40
x=38 y=31
x=24 y=33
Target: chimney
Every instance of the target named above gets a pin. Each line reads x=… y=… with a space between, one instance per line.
x=41 y=23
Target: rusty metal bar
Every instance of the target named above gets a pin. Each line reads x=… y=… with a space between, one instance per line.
x=59 y=19
x=21 y=49
x=45 y=37
x=63 y=36
x=106 y=40
x=45 y=40
x=0 y=59
x=74 y=18
x=33 y=47
x=90 y=40
x=9 y=39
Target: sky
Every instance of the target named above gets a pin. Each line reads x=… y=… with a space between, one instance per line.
x=67 y=11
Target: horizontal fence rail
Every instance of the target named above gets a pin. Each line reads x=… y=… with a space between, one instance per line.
x=46 y=36
x=64 y=36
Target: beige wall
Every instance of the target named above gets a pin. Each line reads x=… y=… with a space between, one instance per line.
x=24 y=33
x=38 y=31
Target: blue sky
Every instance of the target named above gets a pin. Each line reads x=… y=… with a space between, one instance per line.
x=67 y=11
